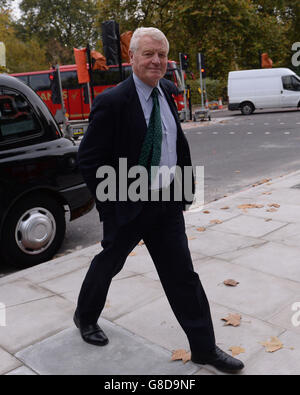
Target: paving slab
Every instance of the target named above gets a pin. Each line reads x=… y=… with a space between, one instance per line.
x=257 y=294
x=57 y=268
x=7 y=361
x=126 y=353
x=282 y=362
x=285 y=213
x=279 y=260
x=203 y=218
x=156 y=322
x=129 y=294
x=213 y=242
x=249 y=226
x=288 y=235
x=22 y=371
x=31 y=322
x=21 y=291
x=160 y=326
x=289 y=316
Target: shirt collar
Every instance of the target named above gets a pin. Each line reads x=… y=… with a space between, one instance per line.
x=145 y=89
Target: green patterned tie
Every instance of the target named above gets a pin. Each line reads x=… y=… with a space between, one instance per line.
x=153 y=140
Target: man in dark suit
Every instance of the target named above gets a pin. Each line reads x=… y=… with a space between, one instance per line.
x=138 y=121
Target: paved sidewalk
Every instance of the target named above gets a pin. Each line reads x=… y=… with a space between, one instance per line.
x=258 y=247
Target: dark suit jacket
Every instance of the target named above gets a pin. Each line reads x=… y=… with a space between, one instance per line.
x=116 y=130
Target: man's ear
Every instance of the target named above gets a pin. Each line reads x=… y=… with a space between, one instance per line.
x=130 y=53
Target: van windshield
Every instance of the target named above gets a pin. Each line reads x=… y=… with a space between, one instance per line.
x=291 y=83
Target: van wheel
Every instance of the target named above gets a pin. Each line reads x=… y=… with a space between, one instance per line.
x=33 y=231
x=247 y=108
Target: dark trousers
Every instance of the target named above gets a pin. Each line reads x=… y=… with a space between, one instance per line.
x=161 y=226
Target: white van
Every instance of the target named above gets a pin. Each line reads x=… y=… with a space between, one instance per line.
x=263 y=88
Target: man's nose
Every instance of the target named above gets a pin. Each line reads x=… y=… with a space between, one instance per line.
x=156 y=59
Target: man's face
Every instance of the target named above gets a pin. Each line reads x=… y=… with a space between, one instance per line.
x=150 y=60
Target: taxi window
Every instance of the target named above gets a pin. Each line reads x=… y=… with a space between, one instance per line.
x=17 y=119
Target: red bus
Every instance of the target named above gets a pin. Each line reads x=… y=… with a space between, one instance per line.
x=76 y=105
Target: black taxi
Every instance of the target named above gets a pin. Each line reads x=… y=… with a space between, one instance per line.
x=39 y=178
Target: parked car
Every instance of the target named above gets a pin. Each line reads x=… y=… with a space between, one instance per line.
x=39 y=178
x=263 y=88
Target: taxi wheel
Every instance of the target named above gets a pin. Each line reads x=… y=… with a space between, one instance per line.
x=33 y=231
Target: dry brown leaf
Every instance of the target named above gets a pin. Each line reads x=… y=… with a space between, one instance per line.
x=268 y=219
x=191 y=237
x=216 y=221
x=232 y=319
x=271 y=210
x=273 y=345
x=236 y=350
x=231 y=282
x=225 y=208
x=181 y=354
x=141 y=243
x=132 y=253
x=206 y=212
x=265 y=180
x=201 y=229
x=237 y=171
x=250 y=205
x=267 y=193
x=276 y=205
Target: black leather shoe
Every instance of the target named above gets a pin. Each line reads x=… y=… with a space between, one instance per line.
x=219 y=359
x=92 y=333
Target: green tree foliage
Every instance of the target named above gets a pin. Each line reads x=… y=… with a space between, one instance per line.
x=20 y=55
x=231 y=33
x=59 y=25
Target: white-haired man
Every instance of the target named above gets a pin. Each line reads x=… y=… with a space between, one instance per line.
x=138 y=120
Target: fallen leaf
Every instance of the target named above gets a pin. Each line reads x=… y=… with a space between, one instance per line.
x=231 y=282
x=265 y=180
x=225 y=208
x=185 y=356
x=276 y=205
x=268 y=219
x=250 y=205
x=216 y=221
x=206 y=212
x=191 y=237
x=271 y=210
x=141 y=243
x=237 y=171
x=267 y=193
x=273 y=345
x=232 y=319
x=201 y=229
x=236 y=350
x=132 y=253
